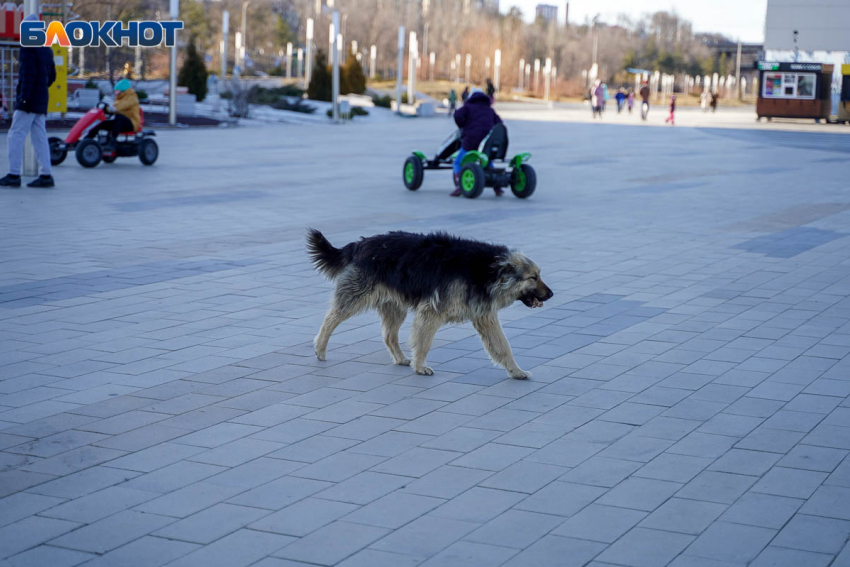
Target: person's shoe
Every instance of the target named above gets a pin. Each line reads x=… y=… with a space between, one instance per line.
x=11 y=181
x=499 y=191
x=42 y=181
x=456 y=193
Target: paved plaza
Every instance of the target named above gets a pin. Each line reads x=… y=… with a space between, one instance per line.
x=160 y=403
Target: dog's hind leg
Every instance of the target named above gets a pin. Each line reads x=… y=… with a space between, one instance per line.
x=496 y=343
x=332 y=320
x=392 y=317
x=425 y=326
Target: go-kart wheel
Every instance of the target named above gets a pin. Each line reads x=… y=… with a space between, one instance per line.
x=471 y=180
x=523 y=181
x=413 y=173
x=148 y=151
x=109 y=159
x=57 y=152
x=89 y=153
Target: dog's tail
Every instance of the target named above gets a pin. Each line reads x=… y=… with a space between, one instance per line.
x=328 y=260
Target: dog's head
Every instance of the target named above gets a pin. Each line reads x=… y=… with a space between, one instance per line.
x=519 y=279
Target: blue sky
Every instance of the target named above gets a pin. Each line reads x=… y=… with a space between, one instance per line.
x=742 y=19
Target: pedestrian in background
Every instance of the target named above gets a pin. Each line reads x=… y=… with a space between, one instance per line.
x=703 y=101
x=671 y=118
x=644 y=97
x=631 y=100
x=491 y=91
x=452 y=102
x=604 y=95
x=621 y=98
x=465 y=94
x=36 y=72
x=714 y=97
x=596 y=94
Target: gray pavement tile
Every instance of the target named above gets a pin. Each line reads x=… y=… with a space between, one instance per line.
x=73 y=460
x=362 y=429
x=812 y=533
x=30 y=532
x=271 y=496
x=514 y=528
x=563 y=453
x=172 y=477
x=478 y=505
x=561 y=498
x=114 y=531
x=829 y=501
x=813 y=458
x=188 y=500
x=829 y=436
x=771 y=440
x=676 y=468
x=600 y=523
x=148 y=550
x=684 y=516
x=23 y=504
x=155 y=457
x=100 y=504
x=731 y=542
x=640 y=493
x=239 y=549
x=339 y=466
x=463 y=553
x=309 y=450
x=634 y=447
x=783 y=557
x=84 y=482
x=364 y=558
x=446 y=482
x=794 y=483
x=715 y=486
x=394 y=510
x=535 y=435
x=254 y=473
x=643 y=547
x=744 y=462
x=211 y=524
x=570 y=552
x=601 y=471
x=524 y=476
x=48 y=555
x=303 y=517
x=365 y=487
x=424 y=537
x=703 y=445
x=667 y=428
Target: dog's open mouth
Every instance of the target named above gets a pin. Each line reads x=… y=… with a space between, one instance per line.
x=531 y=301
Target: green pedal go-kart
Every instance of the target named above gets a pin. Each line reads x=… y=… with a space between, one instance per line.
x=478 y=168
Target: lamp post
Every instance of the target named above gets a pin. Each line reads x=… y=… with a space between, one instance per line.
x=431 y=60
x=412 y=55
x=335 y=83
x=289 y=60
x=521 y=72
x=497 y=64
x=308 y=68
x=172 y=80
x=373 y=55
x=400 y=69
x=225 y=29
x=244 y=30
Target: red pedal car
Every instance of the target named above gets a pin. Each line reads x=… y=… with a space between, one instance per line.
x=90 y=151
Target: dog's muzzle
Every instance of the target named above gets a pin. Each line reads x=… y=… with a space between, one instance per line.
x=535 y=298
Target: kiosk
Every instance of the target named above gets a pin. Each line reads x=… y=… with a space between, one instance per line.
x=844 y=103
x=794 y=90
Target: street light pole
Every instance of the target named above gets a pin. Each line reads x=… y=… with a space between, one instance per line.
x=244 y=30
x=400 y=70
x=225 y=29
x=172 y=90
x=308 y=69
x=335 y=83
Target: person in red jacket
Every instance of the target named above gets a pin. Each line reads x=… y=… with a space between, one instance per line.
x=475 y=119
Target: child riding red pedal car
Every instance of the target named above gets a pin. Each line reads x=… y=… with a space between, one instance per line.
x=107 y=139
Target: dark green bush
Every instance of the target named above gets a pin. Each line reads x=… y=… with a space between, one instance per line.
x=382 y=101
x=296 y=105
x=355 y=111
x=320 y=79
x=355 y=80
x=193 y=74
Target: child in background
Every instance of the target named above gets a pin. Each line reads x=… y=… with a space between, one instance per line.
x=672 y=110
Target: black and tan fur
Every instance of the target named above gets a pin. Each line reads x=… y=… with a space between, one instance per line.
x=441 y=278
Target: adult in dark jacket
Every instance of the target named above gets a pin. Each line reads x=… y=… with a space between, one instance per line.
x=475 y=119
x=36 y=72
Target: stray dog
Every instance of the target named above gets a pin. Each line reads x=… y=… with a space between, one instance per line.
x=441 y=278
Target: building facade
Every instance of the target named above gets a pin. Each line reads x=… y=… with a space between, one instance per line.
x=546 y=12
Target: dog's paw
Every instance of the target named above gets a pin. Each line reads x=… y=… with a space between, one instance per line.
x=403 y=362
x=321 y=356
x=520 y=375
x=424 y=371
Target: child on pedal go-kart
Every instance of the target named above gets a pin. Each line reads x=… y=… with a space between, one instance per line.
x=127 y=117
x=475 y=119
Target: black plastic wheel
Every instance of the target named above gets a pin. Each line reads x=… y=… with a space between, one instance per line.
x=89 y=153
x=472 y=180
x=148 y=151
x=523 y=181
x=413 y=173
x=57 y=151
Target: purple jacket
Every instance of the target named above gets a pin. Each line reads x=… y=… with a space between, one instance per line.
x=475 y=118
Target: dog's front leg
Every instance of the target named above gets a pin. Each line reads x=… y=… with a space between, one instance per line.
x=422 y=332
x=496 y=343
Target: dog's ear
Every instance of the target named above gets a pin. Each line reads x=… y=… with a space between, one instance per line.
x=508 y=270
